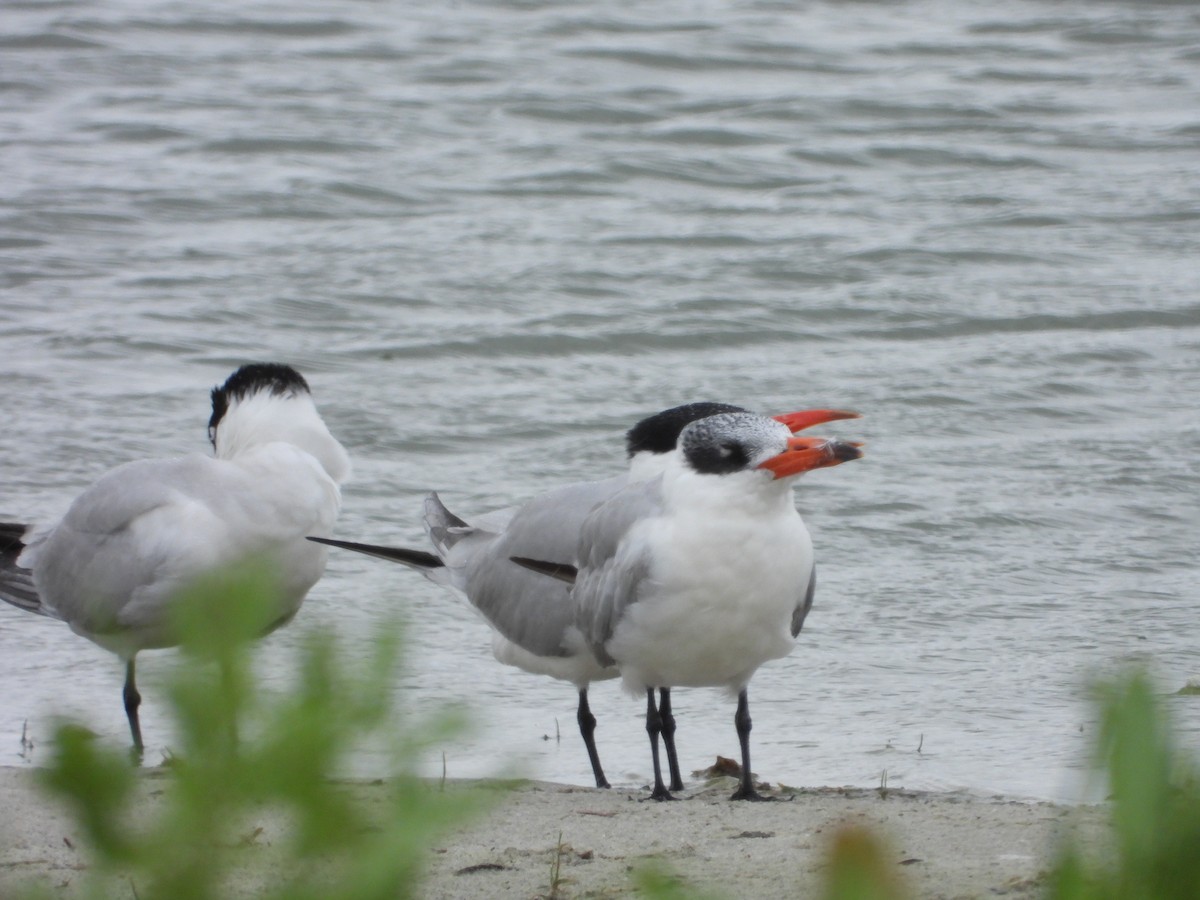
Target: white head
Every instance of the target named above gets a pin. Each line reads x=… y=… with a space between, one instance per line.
x=652 y=442
x=262 y=403
x=742 y=441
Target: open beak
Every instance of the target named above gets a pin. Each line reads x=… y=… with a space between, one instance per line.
x=807 y=453
x=807 y=418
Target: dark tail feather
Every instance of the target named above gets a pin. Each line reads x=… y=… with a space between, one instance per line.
x=418 y=559
x=16 y=583
x=561 y=571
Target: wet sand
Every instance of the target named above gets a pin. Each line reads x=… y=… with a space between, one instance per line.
x=942 y=845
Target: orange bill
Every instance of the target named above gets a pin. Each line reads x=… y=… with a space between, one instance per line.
x=807 y=418
x=807 y=453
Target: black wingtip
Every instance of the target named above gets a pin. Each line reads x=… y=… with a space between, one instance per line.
x=12 y=537
x=16 y=583
x=418 y=559
x=561 y=571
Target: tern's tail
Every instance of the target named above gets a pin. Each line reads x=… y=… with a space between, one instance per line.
x=16 y=583
x=444 y=527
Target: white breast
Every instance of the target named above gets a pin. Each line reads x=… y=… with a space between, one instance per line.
x=730 y=563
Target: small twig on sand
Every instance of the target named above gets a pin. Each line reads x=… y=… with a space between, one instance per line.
x=556 y=871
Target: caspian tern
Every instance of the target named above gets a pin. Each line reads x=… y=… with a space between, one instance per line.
x=532 y=617
x=698 y=577
x=145 y=530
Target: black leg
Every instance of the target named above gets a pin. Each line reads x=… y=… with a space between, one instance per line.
x=132 y=701
x=746 y=789
x=587 y=727
x=654 y=729
x=668 y=736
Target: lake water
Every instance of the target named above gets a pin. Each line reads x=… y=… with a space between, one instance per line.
x=493 y=235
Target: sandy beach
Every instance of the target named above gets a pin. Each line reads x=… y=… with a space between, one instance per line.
x=944 y=845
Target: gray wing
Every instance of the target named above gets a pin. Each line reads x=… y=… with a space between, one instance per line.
x=800 y=613
x=133 y=538
x=529 y=609
x=612 y=566
x=122 y=494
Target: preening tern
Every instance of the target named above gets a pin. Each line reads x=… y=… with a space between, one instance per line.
x=146 y=529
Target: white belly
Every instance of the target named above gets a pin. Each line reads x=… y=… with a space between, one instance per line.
x=718 y=604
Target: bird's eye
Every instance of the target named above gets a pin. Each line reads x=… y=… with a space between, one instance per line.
x=726 y=451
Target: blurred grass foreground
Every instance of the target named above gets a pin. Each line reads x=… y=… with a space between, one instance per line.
x=1155 y=798
x=246 y=757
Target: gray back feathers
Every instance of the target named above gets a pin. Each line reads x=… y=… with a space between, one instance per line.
x=531 y=610
x=609 y=577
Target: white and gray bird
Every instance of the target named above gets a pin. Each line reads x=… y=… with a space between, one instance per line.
x=698 y=577
x=147 y=529
x=532 y=617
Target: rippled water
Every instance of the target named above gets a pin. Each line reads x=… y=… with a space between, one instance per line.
x=494 y=235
